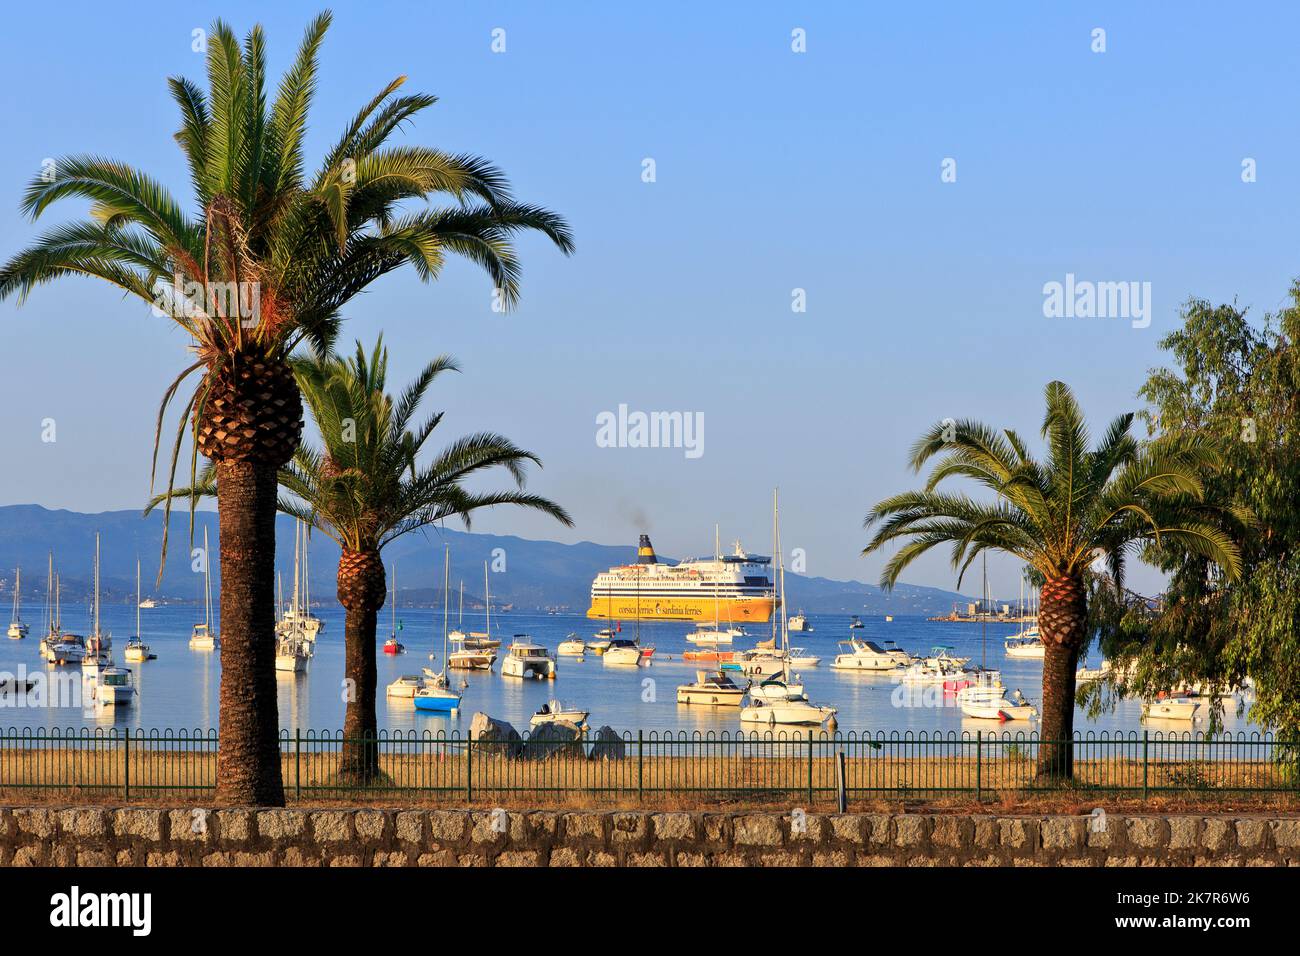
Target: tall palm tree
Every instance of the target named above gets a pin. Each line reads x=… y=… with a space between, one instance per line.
x=267 y=260
x=364 y=488
x=1059 y=516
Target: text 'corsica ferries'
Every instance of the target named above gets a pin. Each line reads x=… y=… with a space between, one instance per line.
x=734 y=588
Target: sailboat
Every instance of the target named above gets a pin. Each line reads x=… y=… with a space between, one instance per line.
x=436 y=693
x=58 y=647
x=204 y=637
x=781 y=700
x=17 y=629
x=136 y=649
x=457 y=633
x=297 y=620
x=393 y=645
x=713 y=635
x=98 y=644
x=986 y=697
x=483 y=640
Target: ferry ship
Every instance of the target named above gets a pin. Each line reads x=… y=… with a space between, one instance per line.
x=729 y=588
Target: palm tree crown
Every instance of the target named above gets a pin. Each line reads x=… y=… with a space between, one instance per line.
x=1058 y=515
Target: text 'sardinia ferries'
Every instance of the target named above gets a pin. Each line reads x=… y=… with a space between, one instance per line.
x=734 y=587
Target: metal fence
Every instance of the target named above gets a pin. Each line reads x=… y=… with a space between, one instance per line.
x=153 y=763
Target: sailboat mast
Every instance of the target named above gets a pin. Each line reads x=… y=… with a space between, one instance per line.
x=446 y=606
x=137 y=597
x=207 y=583
x=460 y=615
x=96 y=584
x=487 y=600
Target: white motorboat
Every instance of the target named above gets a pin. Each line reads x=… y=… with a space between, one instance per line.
x=941 y=658
x=1086 y=675
x=572 y=646
x=762 y=665
x=785 y=712
x=17 y=629
x=713 y=689
x=204 y=636
x=775 y=688
x=801 y=658
x=554 y=712
x=64 y=649
x=924 y=672
x=799 y=622
x=1171 y=708
x=1026 y=646
x=526 y=659
x=461 y=658
x=987 y=699
x=599 y=644
x=623 y=653
x=114 y=686
x=707 y=635
x=148 y=604
x=861 y=655
x=405 y=686
x=855 y=623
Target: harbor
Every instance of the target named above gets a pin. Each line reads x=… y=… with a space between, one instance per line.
x=179 y=689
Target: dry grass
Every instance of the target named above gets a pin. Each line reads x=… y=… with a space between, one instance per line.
x=713 y=779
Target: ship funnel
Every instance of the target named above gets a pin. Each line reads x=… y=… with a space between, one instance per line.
x=645 y=552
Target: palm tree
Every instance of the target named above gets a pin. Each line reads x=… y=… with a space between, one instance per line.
x=1058 y=516
x=364 y=489
x=267 y=260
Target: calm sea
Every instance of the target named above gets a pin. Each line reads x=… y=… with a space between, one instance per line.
x=180 y=688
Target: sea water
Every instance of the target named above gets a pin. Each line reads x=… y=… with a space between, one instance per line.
x=181 y=689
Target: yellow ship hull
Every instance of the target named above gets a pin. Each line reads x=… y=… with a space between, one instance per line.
x=701 y=609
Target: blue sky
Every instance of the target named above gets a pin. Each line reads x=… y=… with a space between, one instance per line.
x=774 y=171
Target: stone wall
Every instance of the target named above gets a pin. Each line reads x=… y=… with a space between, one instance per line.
x=96 y=836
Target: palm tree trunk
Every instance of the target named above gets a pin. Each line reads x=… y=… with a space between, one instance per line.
x=1062 y=621
x=362 y=588
x=360 y=763
x=248 y=758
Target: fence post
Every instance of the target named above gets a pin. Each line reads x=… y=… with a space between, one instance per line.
x=297 y=763
x=469 y=768
x=810 y=769
x=841 y=782
x=1146 y=761
x=979 y=778
x=126 y=765
x=640 y=765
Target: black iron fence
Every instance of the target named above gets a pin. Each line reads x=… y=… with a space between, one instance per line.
x=161 y=763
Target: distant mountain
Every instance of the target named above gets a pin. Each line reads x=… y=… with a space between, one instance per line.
x=533 y=575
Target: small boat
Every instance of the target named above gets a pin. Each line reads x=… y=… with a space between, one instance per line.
x=435 y=693
x=623 y=652
x=777 y=688
x=940 y=658
x=712 y=689
x=1025 y=647
x=1171 y=708
x=114 y=686
x=17 y=629
x=787 y=712
x=204 y=637
x=599 y=644
x=461 y=658
x=707 y=635
x=291 y=655
x=573 y=646
x=66 y=649
x=479 y=641
x=394 y=646
x=526 y=659
x=97 y=647
x=437 y=697
x=554 y=712
x=860 y=655
x=404 y=686
x=889 y=618
x=712 y=655
x=986 y=699
x=148 y=604
x=137 y=650
x=801 y=658
x=855 y=623
x=799 y=622
x=1086 y=675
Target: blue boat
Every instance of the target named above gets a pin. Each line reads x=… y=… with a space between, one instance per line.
x=439 y=699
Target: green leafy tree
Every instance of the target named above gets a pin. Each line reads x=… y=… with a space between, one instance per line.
x=267 y=259
x=1078 y=506
x=1238 y=384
